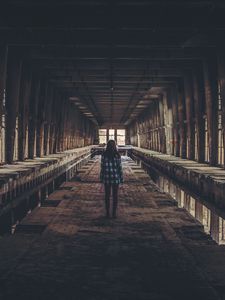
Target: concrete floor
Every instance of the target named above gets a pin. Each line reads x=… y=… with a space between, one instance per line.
x=66 y=249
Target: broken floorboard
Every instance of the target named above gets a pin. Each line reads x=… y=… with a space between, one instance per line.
x=68 y=250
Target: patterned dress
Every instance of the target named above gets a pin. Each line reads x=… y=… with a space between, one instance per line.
x=111 y=170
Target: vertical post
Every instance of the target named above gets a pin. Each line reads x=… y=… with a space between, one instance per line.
x=33 y=109
x=107 y=135
x=175 y=129
x=127 y=136
x=3 y=67
x=221 y=75
x=3 y=64
x=65 y=127
x=53 y=132
x=168 y=121
x=188 y=87
x=12 y=100
x=41 y=120
x=24 y=110
x=58 y=120
x=162 y=127
x=199 y=98
x=48 y=117
x=181 y=114
x=115 y=136
x=211 y=94
x=62 y=125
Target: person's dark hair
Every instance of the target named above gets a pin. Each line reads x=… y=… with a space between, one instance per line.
x=111 y=149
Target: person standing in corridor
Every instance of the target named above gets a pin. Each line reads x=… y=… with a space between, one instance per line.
x=111 y=175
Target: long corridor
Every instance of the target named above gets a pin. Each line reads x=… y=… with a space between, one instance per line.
x=67 y=249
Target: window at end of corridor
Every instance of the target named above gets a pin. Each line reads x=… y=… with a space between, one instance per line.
x=113 y=134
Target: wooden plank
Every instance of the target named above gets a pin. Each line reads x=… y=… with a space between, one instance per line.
x=3 y=67
x=48 y=117
x=181 y=118
x=54 y=124
x=211 y=94
x=41 y=119
x=189 y=102
x=173 y=95
x=199 y=112
x=62 y=124
x=221 y=77
x=14 y=66
x=167 y=111
x=25 y=91
x=162 y=136
x=57 y=125
x=33 y=110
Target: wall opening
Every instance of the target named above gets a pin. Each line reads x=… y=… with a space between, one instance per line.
x=119 y=135
x=102 y=136
x=111 y=134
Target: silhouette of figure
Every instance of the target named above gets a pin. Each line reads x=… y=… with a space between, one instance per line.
x=111 y=175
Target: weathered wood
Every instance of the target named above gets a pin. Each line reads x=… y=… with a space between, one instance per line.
x=199 y=98
x=54 y=124
x=107 y=135
x=189 y=102
x=173 y=95
x=162 y=128
x=66 y=126
x=181 y=118
x=211 y=94
x=41 y=120
x=167 y=111
x=58 y=123
x=48 y=118
x=14 y=66
x=3 y=68
x=24 y=111
x=221 y=77
x=62 y=124
x=33 y=109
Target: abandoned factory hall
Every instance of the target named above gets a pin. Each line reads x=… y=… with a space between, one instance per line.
x=112 y=150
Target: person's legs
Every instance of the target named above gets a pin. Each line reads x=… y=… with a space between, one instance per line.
x=115 y=198
x=107 y=198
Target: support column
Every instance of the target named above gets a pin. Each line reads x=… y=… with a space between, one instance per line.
x=54 y=124
x=14 y=66
x=3 y=68
x=162 y=136
x=62 y=125
x=41 y=120
x=127 y=136
x=167 y=111
x=221 y=77
x=173 y=96
x=25 y=91
x=107 y=135
x=115 y=136
x=211 y=94
x=48 y=118
x=33 y=108
x=181 y=118
x=58 y=126
x=199 y=98
x=189 y=102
